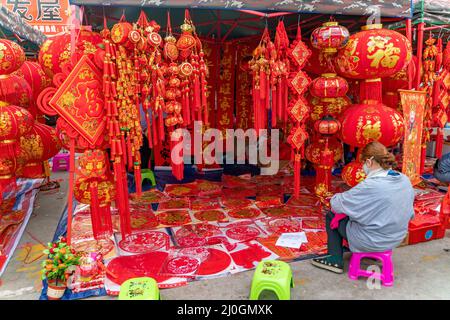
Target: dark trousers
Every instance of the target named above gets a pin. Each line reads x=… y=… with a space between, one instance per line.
x=145 y=153
x=335 y=236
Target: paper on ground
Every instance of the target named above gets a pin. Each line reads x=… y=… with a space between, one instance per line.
x=292 y=240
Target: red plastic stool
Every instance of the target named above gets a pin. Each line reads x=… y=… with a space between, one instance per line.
x=387 y=274
x=61 y=162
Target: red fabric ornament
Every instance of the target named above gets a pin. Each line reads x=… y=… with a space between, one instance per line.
x=327 y=106
x=12 y=56
x=329 y=37
x=36 y=146
x=372 y=121
x=353 y=173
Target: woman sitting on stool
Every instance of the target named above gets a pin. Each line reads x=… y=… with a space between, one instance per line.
x=373 y=216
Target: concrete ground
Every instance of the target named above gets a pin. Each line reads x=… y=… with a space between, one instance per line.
x=421 y=271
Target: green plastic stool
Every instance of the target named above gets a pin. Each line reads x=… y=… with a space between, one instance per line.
x=272 y=275
x=139 y=289
x=148 y=174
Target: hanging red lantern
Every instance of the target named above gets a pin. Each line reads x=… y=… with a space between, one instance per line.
x=186 y=42
x=106 y=191
x=35 y=76
x=36 y=146
x=313 y=150
x=12 y=56
x=329 y=85
x=371 y=121
x=327 y=126
x=120 y=33
x=327 y=106
x=14 y=123
x=329 y=37
x=373 y=53
x=56 y=54
x=93 y=164
x=15 y=90
x=353 y=173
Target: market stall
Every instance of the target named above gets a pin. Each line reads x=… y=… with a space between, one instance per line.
x=131 y=78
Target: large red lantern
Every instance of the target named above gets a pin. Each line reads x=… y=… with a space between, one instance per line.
x=373 y=53
x=36 y=146
x=329 y=37
x=11 y=56
x=329 y=85
x=35 y=76
x=353 y=173
x=313 y=150
x=371 y=121
x=321 y=107
x=15 y=90
x=55 y=53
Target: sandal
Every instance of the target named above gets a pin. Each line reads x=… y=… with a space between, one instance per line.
x=327 y=264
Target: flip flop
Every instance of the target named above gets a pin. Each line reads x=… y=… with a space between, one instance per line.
x=323 y=263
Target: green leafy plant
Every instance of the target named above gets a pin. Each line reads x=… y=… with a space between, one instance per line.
x=61 y=261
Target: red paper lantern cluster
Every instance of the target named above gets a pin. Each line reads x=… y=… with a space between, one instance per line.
x=353 y=173
x=371 y=121
x=329 y=37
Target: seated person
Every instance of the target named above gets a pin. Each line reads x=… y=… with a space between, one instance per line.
x=373 y=216
x=442 y=168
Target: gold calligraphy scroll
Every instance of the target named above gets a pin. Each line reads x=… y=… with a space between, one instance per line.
x=413 y=104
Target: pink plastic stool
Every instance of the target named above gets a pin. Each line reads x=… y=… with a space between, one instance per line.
x=387 y=274
x=61 y=162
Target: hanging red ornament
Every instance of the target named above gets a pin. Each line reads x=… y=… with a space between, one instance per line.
x=327 y=126
x=12 y=56
x=371 y=121
x=329 y=37
x=329 y=85
x=353 y=173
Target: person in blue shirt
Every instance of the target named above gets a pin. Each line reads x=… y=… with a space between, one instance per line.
x=373 y=216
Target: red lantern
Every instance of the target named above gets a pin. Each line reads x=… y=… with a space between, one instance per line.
x=93 y=164
x=120 y=33
x=186 y=42
x=36 y=146
x=318 y=62
x=329 y=37
x=14 y=123
x=12 y=56
x=327 y=126
x=329 y=85
x=15 y=90
x=106 y=191
x=313 y=151
x=371 y=121
x=353 y=173
x=328 y=106
x=55 y=53
x=373 y=53
x=33 y=73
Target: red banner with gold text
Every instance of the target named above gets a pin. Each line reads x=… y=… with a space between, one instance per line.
x=225 y=88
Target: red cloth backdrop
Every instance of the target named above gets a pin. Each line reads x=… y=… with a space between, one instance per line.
x=225 y=88
x=211 y=51
x=244 y=114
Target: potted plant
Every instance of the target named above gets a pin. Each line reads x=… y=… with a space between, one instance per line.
x=60 y=264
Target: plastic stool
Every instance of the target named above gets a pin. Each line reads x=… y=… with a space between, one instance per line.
x=61 y=162
x=139 y=289
x=148 y=174
x=387 y=274
x=272 y=275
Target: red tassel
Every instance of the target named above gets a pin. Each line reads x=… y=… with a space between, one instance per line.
x=274 y=105
x=280 y=99
x=371 y=90
x=422 y=159
x=439 y=142
x=138 y=180
x=95 y=212
x=262 y=85
x=129 y=153
x=297 y=175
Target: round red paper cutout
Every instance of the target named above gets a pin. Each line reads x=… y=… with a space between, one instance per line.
x=144 y=242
